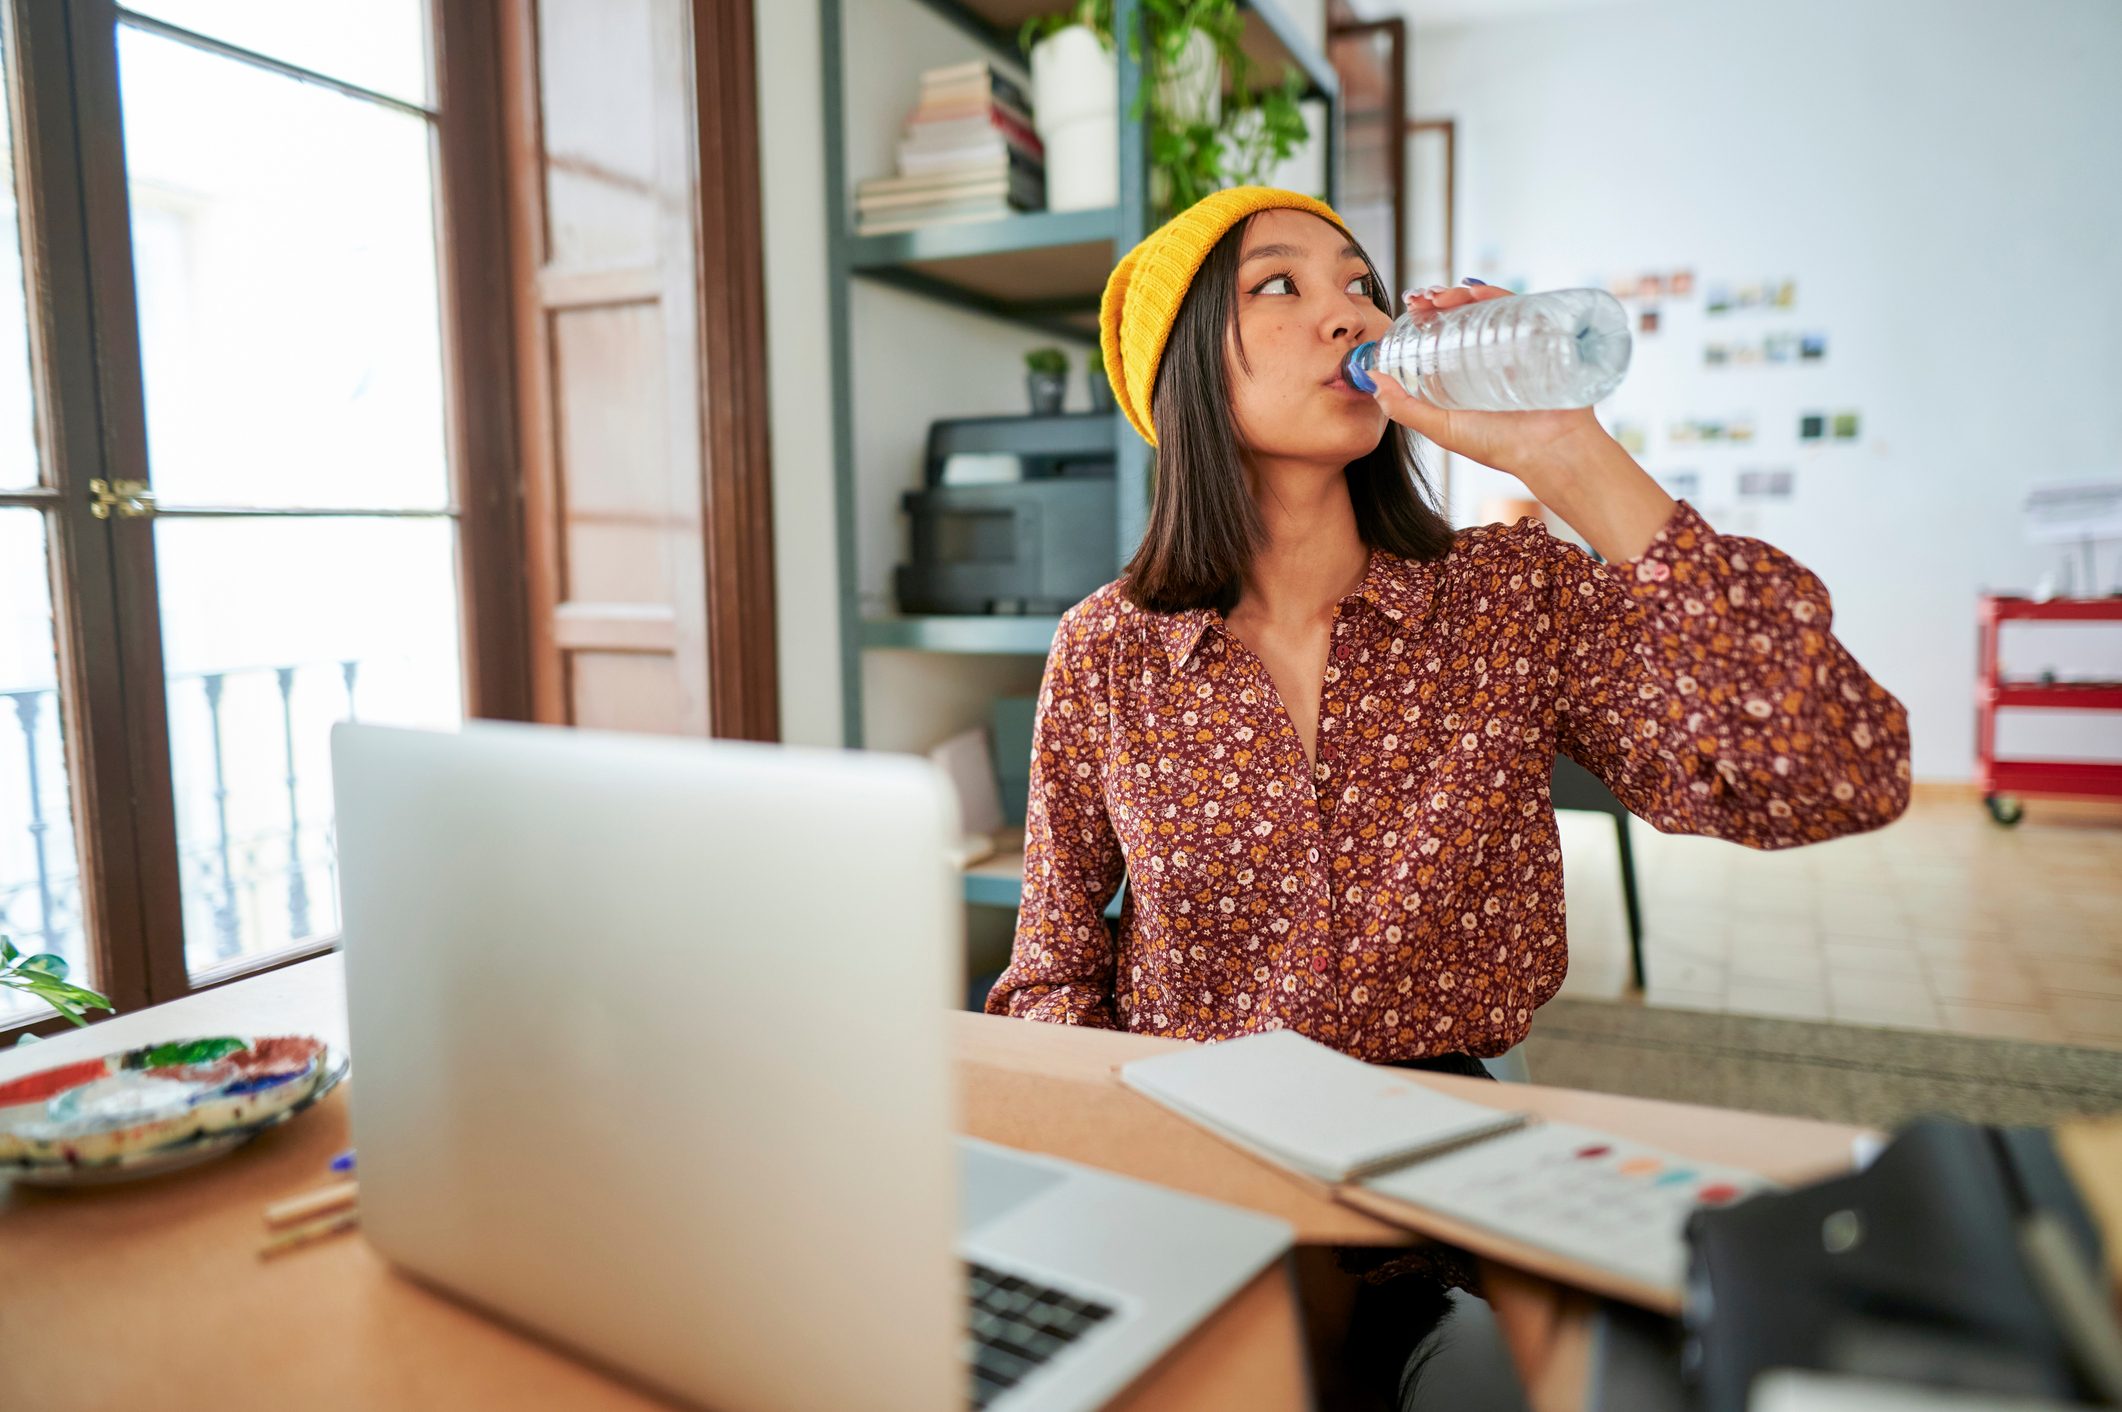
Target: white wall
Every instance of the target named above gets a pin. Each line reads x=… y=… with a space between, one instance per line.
x=1942 y=179
x=792 y=195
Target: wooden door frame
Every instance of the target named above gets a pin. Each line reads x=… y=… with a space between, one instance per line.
x=479 y=359
x=1396 y=124
x=71 y=425
x=737 y=497
x=114 y=328
x=1449 y=129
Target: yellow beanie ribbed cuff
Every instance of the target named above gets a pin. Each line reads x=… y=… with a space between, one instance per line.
x=1144 y=292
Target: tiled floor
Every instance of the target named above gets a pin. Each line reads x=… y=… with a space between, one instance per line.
x=1942 y=921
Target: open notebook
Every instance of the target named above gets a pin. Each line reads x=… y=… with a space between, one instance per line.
x=1593 y=1210
x=1312 y=1109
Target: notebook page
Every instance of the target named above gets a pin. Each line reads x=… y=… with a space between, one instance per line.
x=1600 y=1200
x=1309 y=1107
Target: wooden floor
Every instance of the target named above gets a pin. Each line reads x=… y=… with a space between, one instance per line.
x=1941 y=921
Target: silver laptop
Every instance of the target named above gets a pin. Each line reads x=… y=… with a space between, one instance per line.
x=651 y=1056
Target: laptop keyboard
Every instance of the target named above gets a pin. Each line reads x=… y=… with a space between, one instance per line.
x=1014 y=1326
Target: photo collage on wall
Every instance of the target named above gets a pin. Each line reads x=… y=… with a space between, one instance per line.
x=1749 y=333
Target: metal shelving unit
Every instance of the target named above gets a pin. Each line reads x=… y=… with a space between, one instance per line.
x=1043 y=269
x=996 y=634
x=1039 y=270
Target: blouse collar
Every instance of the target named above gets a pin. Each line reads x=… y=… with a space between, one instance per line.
x=1398 y=588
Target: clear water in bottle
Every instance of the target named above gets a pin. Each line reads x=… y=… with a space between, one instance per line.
x=1521 y=353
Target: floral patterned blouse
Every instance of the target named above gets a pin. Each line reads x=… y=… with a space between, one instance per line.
x=1404 y=897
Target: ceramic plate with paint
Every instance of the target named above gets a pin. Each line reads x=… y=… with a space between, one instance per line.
x=158 y=1107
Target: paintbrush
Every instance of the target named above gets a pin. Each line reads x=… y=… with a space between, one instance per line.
x=308 y=1231
x=309 y=1204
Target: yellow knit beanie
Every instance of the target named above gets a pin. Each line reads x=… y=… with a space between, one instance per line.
x=1144 y=292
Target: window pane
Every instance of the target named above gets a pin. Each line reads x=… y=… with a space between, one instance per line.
x=18 y=422
x=40 y=872
x=376 y=44
x=272 y=630
x=284 y=247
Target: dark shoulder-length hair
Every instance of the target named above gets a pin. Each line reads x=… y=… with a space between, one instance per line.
x=1203 y=525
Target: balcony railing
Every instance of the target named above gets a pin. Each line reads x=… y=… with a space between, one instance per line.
x=258 y=871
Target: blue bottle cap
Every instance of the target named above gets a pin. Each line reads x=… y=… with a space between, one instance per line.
x=1357 y=377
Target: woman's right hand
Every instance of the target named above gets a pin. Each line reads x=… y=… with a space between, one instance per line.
x=1516 y=443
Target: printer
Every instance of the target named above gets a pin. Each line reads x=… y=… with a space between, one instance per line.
x=1015 y=515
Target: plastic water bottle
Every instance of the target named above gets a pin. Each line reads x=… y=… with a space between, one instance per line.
x=1521 y=353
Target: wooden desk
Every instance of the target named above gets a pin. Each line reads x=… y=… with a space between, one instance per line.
x=152 y=1294
x=172 y=1260
x=1050 y=1088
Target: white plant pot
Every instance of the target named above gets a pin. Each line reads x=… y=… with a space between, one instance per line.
x=1191 y=90
x=1076 y=107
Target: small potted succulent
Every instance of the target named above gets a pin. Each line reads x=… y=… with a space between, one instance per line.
x=1101 y=388
x=1046 y=379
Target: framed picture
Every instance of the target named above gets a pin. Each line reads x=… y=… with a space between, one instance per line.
x=1371 y=60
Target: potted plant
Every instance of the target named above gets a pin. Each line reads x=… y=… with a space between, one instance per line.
x=1101 y=388
x=1046 y=379
x=1202 y=137
x=1076 y=104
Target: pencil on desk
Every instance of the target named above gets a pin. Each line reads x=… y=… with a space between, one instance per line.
x=311 y=1203
x=309 y=1231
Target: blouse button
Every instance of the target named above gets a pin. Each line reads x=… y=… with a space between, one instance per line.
x=1318 y=965
x=1342 y=652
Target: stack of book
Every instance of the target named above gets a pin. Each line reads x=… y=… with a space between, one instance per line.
x=969 y=153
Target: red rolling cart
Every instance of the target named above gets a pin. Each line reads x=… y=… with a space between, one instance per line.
x=2003 y=781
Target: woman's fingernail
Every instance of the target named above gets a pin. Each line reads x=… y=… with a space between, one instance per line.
x=1471 y=280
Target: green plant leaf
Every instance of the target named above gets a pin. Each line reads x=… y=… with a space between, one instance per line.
x=62 y=1005
x=8 y=954
x=79 y=995
x=36 y=976
x=1094 y=15
x=37 y=983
